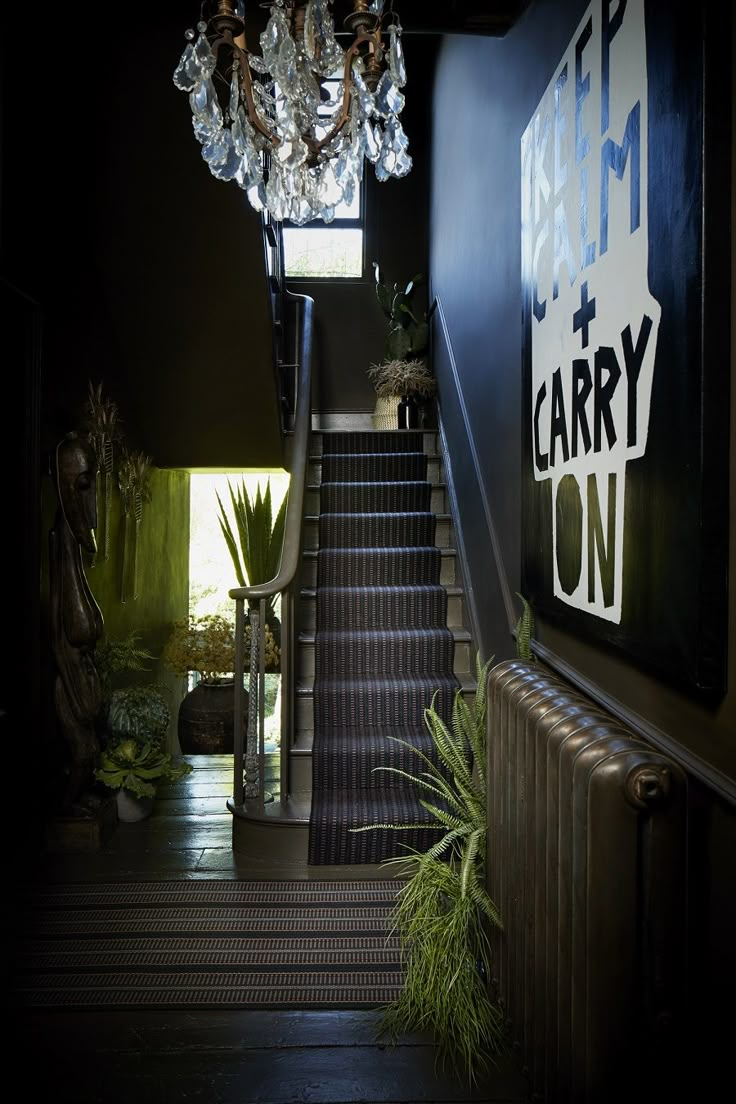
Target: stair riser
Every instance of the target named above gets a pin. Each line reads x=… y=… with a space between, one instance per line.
x=442 y=535
x=308 y=615
x=461 y=663
x=300 y=773
x=447 y=572
x=432 y=475
x=305 y=715
x=438 y=502
x=427 y=442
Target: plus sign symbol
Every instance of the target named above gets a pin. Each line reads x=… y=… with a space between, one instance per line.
x=582 y=318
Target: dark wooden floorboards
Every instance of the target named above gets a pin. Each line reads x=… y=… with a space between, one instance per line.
x=253 y=1057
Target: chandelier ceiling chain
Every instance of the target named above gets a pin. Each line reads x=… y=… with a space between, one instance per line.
x=293 y=125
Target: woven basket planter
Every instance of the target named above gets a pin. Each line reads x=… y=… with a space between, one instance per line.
x=386 y=413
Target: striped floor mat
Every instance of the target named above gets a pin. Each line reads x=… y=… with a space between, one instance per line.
x=209 y=944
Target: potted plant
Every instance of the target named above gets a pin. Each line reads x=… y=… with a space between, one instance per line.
x=205 y=646
x=138 y=711
x=129 y=710
x=135 y=767
x=404 y=383
x=403 y=377
x=443 y=910
x=256 y=554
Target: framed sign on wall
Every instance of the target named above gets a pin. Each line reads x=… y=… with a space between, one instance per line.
x=625 y=260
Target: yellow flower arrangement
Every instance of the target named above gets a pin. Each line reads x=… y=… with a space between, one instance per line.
x=207 y=645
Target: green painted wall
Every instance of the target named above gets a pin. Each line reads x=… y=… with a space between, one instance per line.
x=163 y=581
x=163 y=576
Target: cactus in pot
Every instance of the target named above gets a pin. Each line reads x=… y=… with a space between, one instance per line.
x=408 y=332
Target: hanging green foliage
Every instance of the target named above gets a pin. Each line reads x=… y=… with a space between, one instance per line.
x=134 y=484
x=102 y=425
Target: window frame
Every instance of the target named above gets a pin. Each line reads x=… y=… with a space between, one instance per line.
x=356 y=223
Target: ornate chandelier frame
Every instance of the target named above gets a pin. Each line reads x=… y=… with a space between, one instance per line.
x=275 y=119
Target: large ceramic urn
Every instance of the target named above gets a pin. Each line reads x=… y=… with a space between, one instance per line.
x=207 y=719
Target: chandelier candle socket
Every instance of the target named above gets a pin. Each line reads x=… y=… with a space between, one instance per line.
x=293 y=125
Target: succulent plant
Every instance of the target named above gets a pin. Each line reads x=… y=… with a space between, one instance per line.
x=138 y=766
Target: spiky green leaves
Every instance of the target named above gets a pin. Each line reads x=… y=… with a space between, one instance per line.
x=443 y=911
x=256 y=551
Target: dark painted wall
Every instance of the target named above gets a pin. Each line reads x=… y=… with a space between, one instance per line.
x=149 y=272
x=475 y=267
x=350 y=328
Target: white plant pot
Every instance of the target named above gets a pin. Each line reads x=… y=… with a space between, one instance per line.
x=131 y=807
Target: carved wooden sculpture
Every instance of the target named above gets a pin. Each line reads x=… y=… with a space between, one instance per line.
x=76 y=620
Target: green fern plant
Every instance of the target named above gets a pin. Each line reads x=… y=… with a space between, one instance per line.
x=125 y=653
x=256 y=554
x=443 y=912
x=525 y=631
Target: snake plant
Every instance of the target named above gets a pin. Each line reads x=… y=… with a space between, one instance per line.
x=256 y=554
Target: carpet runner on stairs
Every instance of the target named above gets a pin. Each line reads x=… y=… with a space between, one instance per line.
x=382 y=646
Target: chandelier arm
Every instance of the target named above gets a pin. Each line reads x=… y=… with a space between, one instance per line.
x=226 y=39
x=373 y=37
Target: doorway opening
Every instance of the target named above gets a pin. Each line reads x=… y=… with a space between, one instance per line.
x=211 y=571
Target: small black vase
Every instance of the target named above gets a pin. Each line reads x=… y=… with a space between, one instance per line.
x=408 y=412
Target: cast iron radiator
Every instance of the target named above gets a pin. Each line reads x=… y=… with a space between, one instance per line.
x=586 y=861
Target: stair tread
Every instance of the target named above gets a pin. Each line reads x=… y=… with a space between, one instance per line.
x=460 y=636
x=369 y=483
x=316 y=456
x=452 y=589
x=334 y=430
x=362 y=808
x=463 y=681
x=378 y=513
x=311 y=553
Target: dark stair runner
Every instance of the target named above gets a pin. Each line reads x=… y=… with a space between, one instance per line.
x=382 y=646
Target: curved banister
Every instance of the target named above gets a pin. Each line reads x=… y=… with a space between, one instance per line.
x=248 y=762
x=299 y=461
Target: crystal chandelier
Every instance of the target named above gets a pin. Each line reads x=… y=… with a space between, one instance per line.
x=293 y=125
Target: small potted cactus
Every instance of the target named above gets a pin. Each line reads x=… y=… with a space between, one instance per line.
x=403 y=379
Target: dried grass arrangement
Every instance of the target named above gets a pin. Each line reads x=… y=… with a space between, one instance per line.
x=396 y=378
x=206 y=645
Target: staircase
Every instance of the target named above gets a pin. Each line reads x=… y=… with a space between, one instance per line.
x=382 y=628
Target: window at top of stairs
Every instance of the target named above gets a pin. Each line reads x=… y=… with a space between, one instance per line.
x=331 y=251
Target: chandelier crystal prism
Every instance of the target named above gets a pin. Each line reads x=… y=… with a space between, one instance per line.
x=293 y=125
